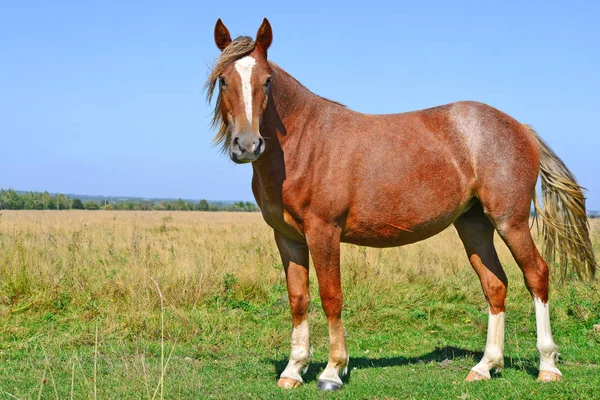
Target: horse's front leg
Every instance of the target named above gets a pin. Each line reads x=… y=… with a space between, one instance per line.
x=324 y=244
x=294 y=256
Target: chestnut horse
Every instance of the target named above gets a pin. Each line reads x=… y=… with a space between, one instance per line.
x=324 y=174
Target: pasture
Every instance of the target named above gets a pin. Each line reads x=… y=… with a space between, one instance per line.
x=106 y=304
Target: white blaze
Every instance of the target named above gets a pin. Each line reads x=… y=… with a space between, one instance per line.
x=244 y=67
x=493 y=356
x=545 y=344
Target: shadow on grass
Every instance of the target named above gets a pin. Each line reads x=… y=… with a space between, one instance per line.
x=437 y=355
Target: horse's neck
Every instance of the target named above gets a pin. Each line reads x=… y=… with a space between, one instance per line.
x=291 y=104
x=283 y=124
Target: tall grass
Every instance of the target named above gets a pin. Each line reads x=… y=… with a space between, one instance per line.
x=105 y=263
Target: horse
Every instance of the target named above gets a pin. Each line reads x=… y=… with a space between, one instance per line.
x=324 y=174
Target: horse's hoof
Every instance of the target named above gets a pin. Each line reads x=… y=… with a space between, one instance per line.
x=548 y=376
x=328 y=386
x=288 y=383
x=475 y=376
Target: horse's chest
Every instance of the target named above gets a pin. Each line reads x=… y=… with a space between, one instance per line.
x=277 y=204
x=277 y=217
x=275 y=211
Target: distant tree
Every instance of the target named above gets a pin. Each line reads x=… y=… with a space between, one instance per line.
x=3 y=199
x=28 y=201
x=47 y=200
x=203 y=205
x=62 y=202
x=10 y=199
x=160 y=205
x=77 y=204
x=51 y=205
x=91 y=205
x=178 y=205
x=14 y=200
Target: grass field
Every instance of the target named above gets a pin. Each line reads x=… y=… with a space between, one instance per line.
x=142 y=305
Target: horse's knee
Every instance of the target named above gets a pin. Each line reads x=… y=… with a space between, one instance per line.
x=299 y=303
x=332 y=305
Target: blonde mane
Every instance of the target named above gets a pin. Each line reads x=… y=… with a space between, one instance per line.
x=240 y=47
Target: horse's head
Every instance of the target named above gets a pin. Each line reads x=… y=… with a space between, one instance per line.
x=243 y=76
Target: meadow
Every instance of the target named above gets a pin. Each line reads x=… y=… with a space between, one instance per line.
x=149 y=305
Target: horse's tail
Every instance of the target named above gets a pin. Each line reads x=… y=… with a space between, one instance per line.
x=565 y=227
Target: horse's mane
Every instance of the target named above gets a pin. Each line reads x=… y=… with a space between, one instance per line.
x=238 y=48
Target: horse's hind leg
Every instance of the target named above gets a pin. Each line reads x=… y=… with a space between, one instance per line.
x=477 y=235
x=517 y=236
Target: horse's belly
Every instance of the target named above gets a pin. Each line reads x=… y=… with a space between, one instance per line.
x=390 y=228
x=392 y=234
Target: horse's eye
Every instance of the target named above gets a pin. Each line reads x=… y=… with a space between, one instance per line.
x=222 y=82
x=268 y=82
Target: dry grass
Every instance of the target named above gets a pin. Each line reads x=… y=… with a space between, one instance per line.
x=106 y=261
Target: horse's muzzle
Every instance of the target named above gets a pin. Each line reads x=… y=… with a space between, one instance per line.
x=246 y=148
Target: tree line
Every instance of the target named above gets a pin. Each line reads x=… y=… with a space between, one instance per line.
x=13 y=200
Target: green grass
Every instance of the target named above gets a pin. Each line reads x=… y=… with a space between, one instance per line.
x=402 y=345
x=416 y=322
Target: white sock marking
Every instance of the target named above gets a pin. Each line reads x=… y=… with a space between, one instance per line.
x=300 y=353
x=493 y=356
x=545 y=343
x=337 y=344
x=244 y=67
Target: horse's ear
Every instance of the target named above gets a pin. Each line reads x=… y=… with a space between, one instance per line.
x=264 y=37
x=222 y=37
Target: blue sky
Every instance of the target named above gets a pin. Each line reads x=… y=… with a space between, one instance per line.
x=106 y=97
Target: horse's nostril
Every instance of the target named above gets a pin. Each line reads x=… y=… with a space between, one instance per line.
x=236 y=143
x=261 y=143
